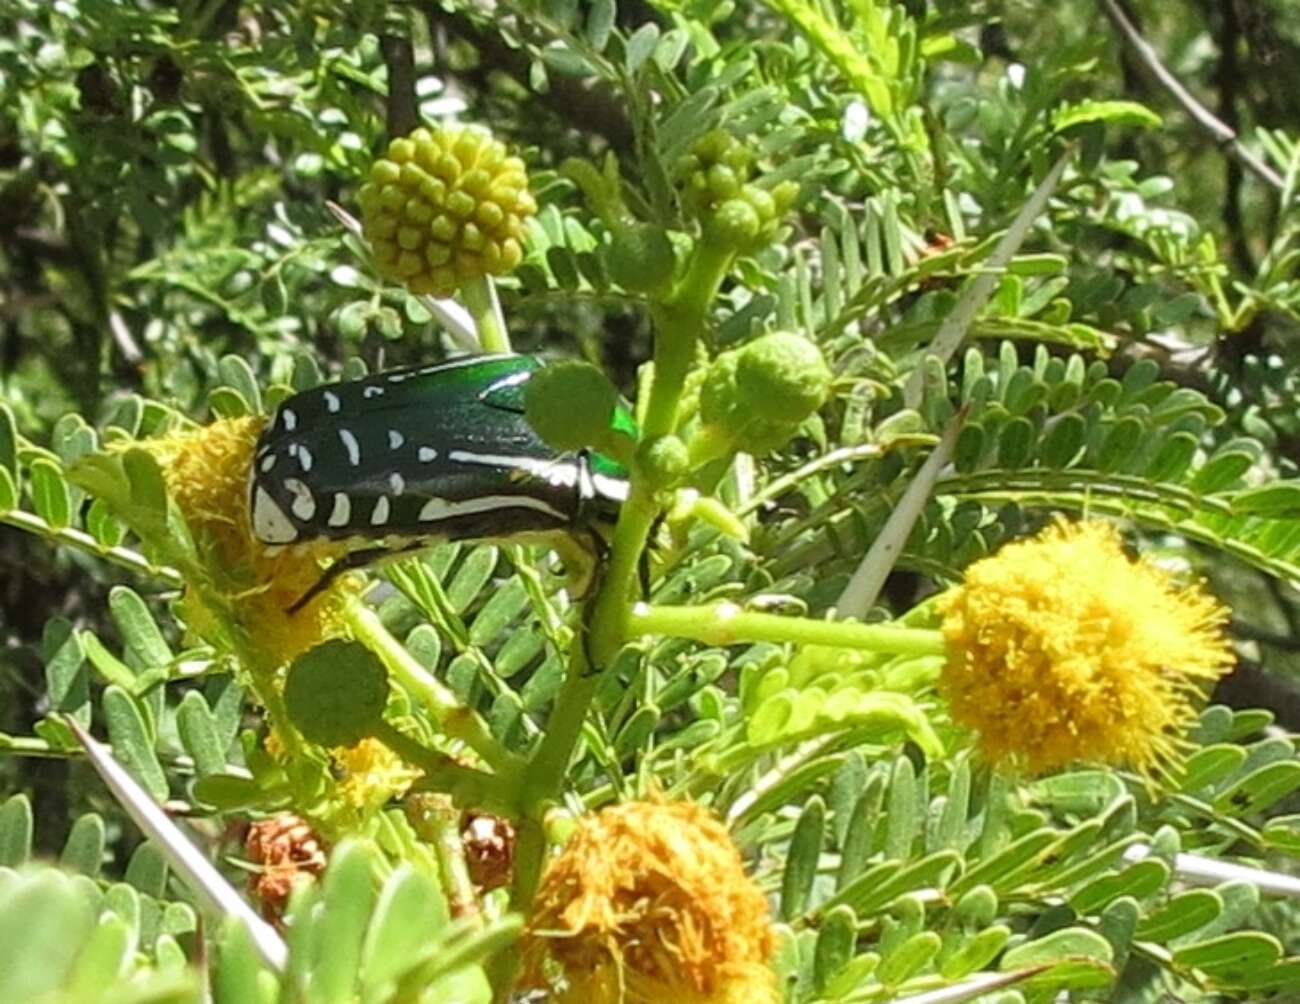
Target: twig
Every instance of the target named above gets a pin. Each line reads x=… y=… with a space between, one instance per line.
x=1227 y=76
x=399 y=57
x=1273 y=639
x=804 y=753
x=209 y=886
x=70 y=536
x=973 y=987
x=952 y=332
x=1223 y=134
x=868 y=578
x=1197 y=869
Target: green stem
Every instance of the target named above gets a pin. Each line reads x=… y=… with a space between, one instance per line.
x=612 y=603
x=481 y=301
x=530 y=858
x=437 y=821
x=545 y=773
x=273 y=701
x=727 y=624
x=455 y=720
x=679 y=326
x=70 y=536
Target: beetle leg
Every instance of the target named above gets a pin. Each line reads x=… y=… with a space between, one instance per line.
x=643 y=563
x=348 y=563
x=583 y=554
x=597 y=553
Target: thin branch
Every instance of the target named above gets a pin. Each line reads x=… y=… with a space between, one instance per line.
x=218 y=897
x=1227 y=76
x=952 y=332
x=399 y=57
x=864 y=587
x=1224 y=135
x=973 y=987
x=1273 y=639
x=70 y=536
x=1197 y=869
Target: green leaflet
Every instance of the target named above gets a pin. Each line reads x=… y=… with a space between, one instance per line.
x=84 y=849
x=803 y=859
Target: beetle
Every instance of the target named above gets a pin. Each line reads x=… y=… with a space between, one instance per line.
x=403 y=459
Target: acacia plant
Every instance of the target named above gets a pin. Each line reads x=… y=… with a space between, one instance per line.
x=932 y=364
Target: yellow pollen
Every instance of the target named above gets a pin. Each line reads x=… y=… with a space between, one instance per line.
x=1063 y=649
x=206 y=471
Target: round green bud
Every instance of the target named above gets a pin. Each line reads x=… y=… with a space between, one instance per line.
x=783 y=377
x=734 y=223
x=665 y=461
x=335 y=693
x=762 y=202
x=640 y=258
x=458 y=203
x=715 y=146
x=738 y=157
x=570 y=405
x=723 y=183
x=756 y=397
x=714 y=172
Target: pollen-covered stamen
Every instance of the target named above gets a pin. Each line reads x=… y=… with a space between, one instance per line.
x=649 y=902
x=1063 y=649
x=236 y=483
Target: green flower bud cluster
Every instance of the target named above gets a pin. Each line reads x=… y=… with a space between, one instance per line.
x=717 y=189
x=446 y=206
x=755 y=397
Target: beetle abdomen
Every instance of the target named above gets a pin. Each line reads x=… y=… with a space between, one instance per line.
x=437 y=452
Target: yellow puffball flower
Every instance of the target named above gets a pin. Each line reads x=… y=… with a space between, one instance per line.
x=445 y=206
x=649 y=902
x=247 y=589
x=1063 y=649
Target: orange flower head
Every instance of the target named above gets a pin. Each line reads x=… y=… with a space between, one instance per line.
x=649 y=902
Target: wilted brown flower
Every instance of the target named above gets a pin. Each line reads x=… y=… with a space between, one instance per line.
x=288 y=850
